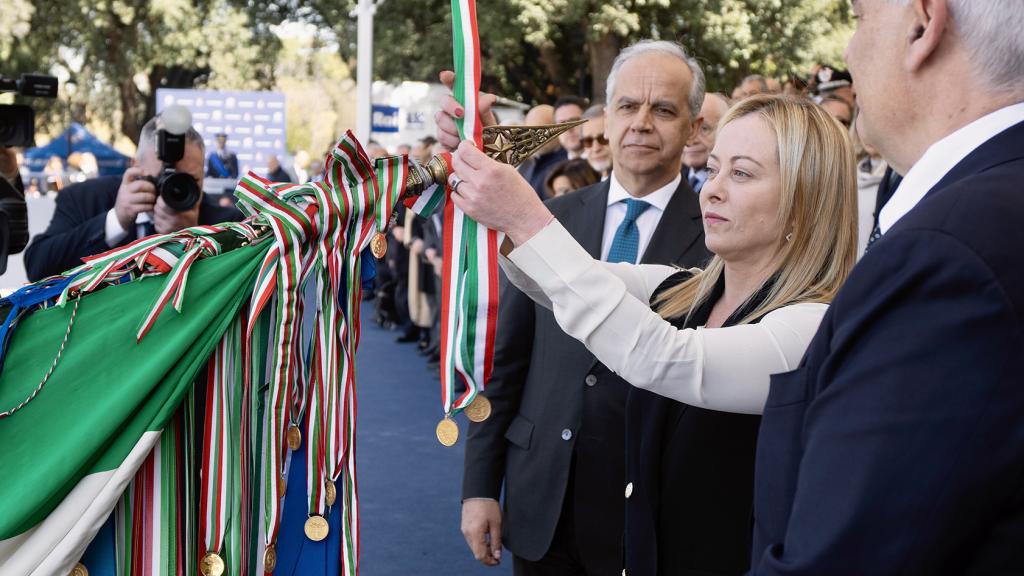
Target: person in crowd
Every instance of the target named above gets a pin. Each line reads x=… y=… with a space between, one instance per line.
x=54 y=171
x=838 y=108
x=871 y=170
x=301 y=166
x=375 y=150
x=830 y=81
x=751 y=85
x=535 y=168
x=424 y=150
x=12 y=204
x=222 y=163
x=702 y=140
x=569 y=109
x=403 y=150
x=275 y=172
x=896 y=446
x=710 y=338
x=595 y=144
x=556 y=437
x=97 y=215
x=568 y=176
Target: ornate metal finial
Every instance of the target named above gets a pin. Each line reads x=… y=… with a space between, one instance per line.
x=506 y=144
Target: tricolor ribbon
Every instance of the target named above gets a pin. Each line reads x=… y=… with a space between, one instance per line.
x=470 y=279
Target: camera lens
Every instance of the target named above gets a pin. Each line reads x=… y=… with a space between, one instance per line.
x=179 y=191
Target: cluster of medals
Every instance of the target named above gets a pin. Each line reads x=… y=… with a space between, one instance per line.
x=478 y=410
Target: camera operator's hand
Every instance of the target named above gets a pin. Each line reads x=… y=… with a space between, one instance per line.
x=167 y=220
x=8 y=163
x=134 y=197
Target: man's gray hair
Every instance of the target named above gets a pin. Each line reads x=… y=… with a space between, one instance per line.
x=991 y=32
x=147 y=138
x=595 y=111
x=696 y=96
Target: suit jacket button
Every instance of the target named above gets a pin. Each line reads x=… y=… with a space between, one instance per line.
x=590 y=380
x=566 y=434
x=629 y=490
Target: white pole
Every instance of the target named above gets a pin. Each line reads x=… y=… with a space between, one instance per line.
x=364 y=68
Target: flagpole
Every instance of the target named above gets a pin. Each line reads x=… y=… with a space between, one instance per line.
x=364 y=11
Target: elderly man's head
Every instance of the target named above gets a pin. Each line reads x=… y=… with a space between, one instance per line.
x=949 y=61
x=655 y=91
x=695 y=155
x=595 y=143
x=539 y=116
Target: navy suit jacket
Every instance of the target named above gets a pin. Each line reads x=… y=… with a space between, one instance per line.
x=897 y=447
x=78 y=227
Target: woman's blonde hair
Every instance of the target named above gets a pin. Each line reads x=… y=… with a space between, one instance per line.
x=818 y=198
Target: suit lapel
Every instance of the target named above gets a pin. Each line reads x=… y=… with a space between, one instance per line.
x=588 y=222
x=679 y=228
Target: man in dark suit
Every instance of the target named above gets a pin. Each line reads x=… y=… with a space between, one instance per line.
x=555 y=439
x=898 y=445
x=96 y=215
x=222 y=163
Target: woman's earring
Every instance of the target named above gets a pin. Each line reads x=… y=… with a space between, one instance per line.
x=789 y=237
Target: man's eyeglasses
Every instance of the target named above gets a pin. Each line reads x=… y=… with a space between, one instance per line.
x=588 y=141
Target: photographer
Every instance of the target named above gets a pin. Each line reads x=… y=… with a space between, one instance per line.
x=12 y=204
x=97 y=215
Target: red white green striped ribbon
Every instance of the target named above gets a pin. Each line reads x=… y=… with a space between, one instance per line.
x=470 y=278
x=221 y=463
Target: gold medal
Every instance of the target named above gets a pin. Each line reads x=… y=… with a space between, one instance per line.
x=79 y=570
x=316 y=528
x=447 y=432
x=211 y=565
x=330 y=492
x=479 y=409
x=294 y=438
x=379 y=245
x=269 y=559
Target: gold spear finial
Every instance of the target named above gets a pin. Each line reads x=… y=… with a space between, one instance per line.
x=506 y=144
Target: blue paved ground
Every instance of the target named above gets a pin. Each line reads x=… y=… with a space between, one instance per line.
x=408 y=483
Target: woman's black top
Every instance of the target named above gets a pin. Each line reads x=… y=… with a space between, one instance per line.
x=689 y=475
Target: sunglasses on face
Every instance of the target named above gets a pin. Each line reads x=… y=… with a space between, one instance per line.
x=588 y=141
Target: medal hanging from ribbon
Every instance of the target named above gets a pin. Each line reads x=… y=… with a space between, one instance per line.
x=470 y=279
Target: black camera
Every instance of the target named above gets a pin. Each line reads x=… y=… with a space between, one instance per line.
x=17 y=121
x=178 y=189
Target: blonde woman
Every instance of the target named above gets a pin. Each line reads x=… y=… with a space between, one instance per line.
x=698 y=346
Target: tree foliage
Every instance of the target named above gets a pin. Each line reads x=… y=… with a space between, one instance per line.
x=118 y=52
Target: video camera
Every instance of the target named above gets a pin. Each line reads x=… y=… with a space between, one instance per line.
x=178 y=189
x=17 y=121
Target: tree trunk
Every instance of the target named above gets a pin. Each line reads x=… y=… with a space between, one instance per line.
x=602 y=52
x=550 y=59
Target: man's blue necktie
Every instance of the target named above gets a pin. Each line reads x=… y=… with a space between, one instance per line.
x=626 y=243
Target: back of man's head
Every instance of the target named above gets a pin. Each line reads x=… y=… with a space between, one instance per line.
x=950 y=62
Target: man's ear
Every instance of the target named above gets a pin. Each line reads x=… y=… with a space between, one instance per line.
x=695 y=129
x=929 y=24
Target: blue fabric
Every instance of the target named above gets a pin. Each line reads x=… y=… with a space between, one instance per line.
x=21 y=303
x=77 y=139
x=100 y=558
x=296 y=554
x=222 y=170
x=626 y=243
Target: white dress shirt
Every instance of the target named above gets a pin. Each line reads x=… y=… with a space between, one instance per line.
x=605 y=306
x=646 y=223
x=941 y=157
